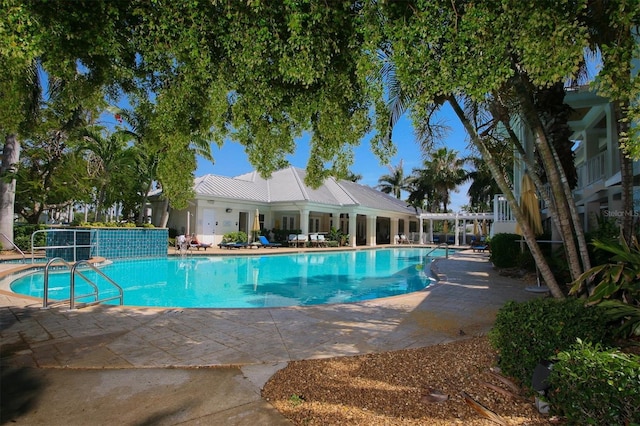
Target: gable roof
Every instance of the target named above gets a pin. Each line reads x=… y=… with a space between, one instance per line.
x=287 y=185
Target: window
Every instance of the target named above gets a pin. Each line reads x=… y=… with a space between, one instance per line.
x=288 y=223
x=314 y=224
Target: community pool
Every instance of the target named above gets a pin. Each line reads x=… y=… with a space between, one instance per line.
x=252 y=281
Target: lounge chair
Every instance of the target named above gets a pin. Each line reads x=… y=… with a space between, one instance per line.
x=404 y=239
x=322 y=242
x=436 y=240
x=313 y=240
x=451 y=241
x=480 y=246
x=195 y=244
x=266 y=243
x=231 y=245
x=301 y=239
x=292 y=240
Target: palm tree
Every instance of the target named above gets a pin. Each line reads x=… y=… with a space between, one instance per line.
x=109 y=157
x=26 y=97
x=395 y=182
x=483 y=186
x=446 y=171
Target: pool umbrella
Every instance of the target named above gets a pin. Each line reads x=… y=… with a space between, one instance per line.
x=531 y=212
x=255 y=229
x=475 y=226
x=445 y=227
x=529 y=205
x=484 y=227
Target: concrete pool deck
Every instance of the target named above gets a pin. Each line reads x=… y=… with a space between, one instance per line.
x=103 y=364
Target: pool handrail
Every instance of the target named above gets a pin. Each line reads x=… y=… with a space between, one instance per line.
x=72 y=296
x=24 y=256
x=441 y=245
x=45 y=295
x=74 y=270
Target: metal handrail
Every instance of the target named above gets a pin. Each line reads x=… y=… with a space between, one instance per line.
x=45 y=298
x=72 y=284
x=446 y=252
x=24 y=256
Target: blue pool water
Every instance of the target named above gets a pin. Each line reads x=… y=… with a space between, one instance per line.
x=251 y=281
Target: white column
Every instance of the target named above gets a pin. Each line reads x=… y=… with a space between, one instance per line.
x=420 y=228
x=352 y=228
x=457 y=230
x=371 y=230
x=394 y=230
x=304 y=221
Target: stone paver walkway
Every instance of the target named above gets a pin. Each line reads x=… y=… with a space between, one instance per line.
x=465 y=301
x=105 y=364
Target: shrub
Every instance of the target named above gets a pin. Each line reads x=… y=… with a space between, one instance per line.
x=505 y=250
x=22 y=236
x=235 y=237
x=594 y=386
x=526 y=333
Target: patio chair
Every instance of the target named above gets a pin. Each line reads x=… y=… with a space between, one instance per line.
x=266 y=243
x=301 y=239
x=436 y=240
x=292 y=240
x=451 y=240
x=313 y=240
x=232 y=245
x=404 y=239
x=195 y=244
x=322 y=242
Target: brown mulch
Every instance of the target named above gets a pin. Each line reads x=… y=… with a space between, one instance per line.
x=425 y=386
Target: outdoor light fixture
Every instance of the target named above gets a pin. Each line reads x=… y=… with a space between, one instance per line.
x=228 y=210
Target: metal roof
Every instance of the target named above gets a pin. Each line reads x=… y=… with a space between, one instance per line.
x=287 y=185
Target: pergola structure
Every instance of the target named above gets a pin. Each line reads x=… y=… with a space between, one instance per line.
x=456 y=217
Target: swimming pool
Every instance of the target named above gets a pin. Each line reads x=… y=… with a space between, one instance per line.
x=252 y=281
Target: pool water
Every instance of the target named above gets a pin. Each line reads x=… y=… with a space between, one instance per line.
x=251 y=281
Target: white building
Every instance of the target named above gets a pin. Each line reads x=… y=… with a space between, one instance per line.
x=284 y=203
x=597 y=159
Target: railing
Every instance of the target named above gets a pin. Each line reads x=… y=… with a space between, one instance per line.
x=45 y=295
x=24 y=257
x=75 y=246
x=72 y=284
x=501 y=209
x=596 y=168
x=75 y=271
x=446 y=251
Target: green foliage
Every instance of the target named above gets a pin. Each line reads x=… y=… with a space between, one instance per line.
x=526 y=333
x=338 y=236
x=606 y=229
x=505 y=250
x=617 y=280
x=282 y=235
x=591 y=386
x=112 y=225
x=235 y=237
x=22 y=236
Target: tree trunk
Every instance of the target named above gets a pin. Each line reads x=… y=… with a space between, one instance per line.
x=8 y=169
x=554 y=177
x=529 y=236
x=143 y=203
x=165 y=213
x=626 y=174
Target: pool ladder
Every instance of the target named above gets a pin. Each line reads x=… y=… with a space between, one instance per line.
x=72 y=285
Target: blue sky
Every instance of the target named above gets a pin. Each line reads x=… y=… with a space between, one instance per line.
x=231 y=160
